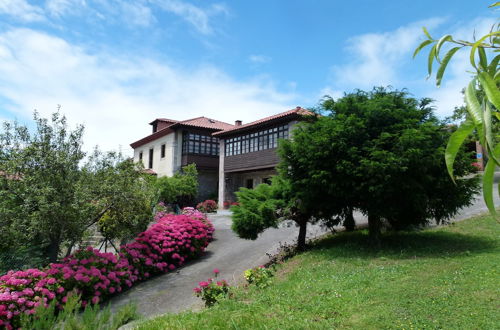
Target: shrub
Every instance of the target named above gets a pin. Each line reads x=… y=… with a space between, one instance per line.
x=260 y=276
x=212 y=291
x=162 y=210
x=167 y=244
x=207 y=206
x=181 y=188
x=94 y=276
x=23 y=291
x=197 y=215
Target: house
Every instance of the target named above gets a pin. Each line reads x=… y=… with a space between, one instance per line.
x=227 y=156
x=248 y=152
x=173 y=144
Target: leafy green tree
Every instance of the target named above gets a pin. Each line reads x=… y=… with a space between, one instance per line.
x=181 y=188
x=482 y=96
x=379 y=152
x=255 y=211
x=121 y=197
x=49 y=197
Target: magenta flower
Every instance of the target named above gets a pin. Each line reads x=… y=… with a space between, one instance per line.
x=216 y=271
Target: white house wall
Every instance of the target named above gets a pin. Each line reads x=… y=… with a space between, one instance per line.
x=162 y=166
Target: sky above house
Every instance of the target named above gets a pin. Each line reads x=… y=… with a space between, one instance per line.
x=115 y=65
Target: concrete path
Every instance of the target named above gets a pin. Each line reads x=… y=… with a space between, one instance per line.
x=172 y=292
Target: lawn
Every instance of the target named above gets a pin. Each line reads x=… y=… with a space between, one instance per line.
x=444 y=278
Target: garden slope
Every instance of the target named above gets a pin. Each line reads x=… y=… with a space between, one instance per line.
x=439 y=278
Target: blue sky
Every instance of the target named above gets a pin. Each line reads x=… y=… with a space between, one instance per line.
x=115 y=65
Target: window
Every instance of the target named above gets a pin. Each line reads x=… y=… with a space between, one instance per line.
x=266 y=180
x=163 y=151
x=196 y=144
x=262 y=140
x=150 y=163
x=249 y=184
x=140 y=155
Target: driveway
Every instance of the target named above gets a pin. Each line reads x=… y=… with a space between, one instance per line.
x=172 y=292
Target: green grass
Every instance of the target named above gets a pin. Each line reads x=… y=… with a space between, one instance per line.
x=444 y=278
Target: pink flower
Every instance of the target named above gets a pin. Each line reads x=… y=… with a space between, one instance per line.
x=197 y=290
x=216 y=271
x=203 y=284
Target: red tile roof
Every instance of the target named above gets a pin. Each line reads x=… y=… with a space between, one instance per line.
x=198 y=122
x=294 y=113
x=164 y=119
x=204 y=122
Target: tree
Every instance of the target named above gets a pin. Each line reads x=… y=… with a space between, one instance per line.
x=181 y=188
x=49 y=197
x=265 y=206
x=379 y=152
x=121 y=197
x=482 y=96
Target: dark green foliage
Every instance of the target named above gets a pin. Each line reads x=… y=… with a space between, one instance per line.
x=48 y=198
x=380 y=152
x=124 y=196
x=255 y=212
x=181 y=188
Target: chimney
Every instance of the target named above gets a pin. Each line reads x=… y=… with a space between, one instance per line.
x=238 y=123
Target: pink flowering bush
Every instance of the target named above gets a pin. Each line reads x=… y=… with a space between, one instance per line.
x=212 y=291
x=207 y=206
x=94 y=275
x=167 y=244
x=162 y=210
x=197 y=215
x=23 y=291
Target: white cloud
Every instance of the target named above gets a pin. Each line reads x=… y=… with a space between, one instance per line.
x=21 y=10
x=382 y=59
x=376 y=58
x=197 y=16
x=60 y=8
x=137 y=13
x=115 y=97
x=259 y=59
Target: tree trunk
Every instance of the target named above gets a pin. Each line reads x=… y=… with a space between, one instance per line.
x=374 y=225
x=301 y=241
x=53 y=250
x=349 y=223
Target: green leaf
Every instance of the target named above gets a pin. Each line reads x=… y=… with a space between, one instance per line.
x=488 y=133
x=496 y=4
x=474 y=109
x=444 y=63
x=421 y=46
x=432 y=55
x=490 y=88
x=492 y=68
x=478 y=44
x=483 y=61
x=440 y=43
x=488 y=180
x=456 y=140
x=426 y=32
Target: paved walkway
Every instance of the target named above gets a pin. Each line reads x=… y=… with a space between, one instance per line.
x=172 y=292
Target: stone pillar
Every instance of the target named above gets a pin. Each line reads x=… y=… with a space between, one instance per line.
x=222 y=177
